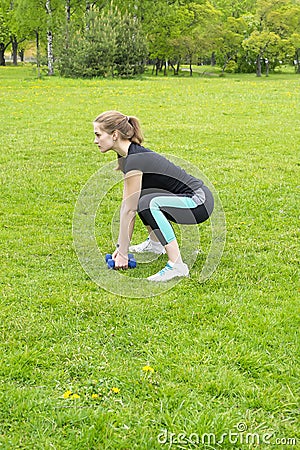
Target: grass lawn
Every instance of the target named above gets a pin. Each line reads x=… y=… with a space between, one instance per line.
x=83 y=368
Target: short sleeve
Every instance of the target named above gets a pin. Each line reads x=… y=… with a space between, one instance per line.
x=136 y=161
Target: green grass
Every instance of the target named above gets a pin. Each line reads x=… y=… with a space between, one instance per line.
x=225 y=351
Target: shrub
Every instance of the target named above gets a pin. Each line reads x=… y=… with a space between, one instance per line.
x=108 y=44
x=231 y=67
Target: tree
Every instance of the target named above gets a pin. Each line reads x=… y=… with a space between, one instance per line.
x=261 y=46
x=71 y=7
x=131 y=48
x=50 y=57
x=107 y=44
x=5 y=39
x=229 y=38
x=267 y=43
x=41 y=19
x=17 y=33
x=234 y=8
x=32 y=20
x=160 y=30
x=295 y=42
x=285 y=21
x=196 y=28
x=243 y=33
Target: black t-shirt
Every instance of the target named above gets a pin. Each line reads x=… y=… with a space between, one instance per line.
x=158 y=171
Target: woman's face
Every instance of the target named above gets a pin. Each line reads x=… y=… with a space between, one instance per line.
x=104 y=140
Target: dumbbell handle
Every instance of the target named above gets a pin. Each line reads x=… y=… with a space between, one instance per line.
x=109 y=256
x=111 y=263
x=131 y=263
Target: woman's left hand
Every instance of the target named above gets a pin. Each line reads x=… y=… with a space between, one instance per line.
x=121 y=262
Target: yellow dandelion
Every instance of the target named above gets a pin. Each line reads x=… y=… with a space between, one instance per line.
x=148 y=369
x=95 y=395
x=115 y=390
x=75 y=396
x=67 y=394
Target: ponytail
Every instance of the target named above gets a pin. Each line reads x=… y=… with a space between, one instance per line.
x=137 y=136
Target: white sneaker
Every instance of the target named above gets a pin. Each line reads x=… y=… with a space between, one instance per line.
x=148 y=246
x=169 y=272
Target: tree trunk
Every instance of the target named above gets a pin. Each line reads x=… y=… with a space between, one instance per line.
x=2 y=57
x=228 y=58
x=177 y=67
x=49 y=39
x=191 y=70
x=68 y=20
x=267 y=67
x=38 y=55
x=258 y=66
x=50 y=53
x=165 y=67
x=21 y=54
x=298 y=60
x=87 y=13
x=213 y=59
x=172 y=66
x=68 y=11
x=157 y=66
x=14 y=44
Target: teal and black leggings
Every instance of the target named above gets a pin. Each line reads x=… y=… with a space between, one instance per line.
x=157 y=207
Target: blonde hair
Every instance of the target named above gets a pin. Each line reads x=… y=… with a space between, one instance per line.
x=128 y=126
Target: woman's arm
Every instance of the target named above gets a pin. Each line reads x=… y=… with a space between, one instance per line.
x=131 y=195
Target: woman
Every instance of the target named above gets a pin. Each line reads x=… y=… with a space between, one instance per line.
x=155 y=188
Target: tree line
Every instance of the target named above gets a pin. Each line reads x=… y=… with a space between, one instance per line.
x=119 y=37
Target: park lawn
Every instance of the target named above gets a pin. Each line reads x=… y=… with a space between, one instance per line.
x=82 y=368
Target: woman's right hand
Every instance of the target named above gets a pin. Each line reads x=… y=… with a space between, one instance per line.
x=121 y=262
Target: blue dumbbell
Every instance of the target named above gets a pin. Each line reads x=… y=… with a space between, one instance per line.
x=111 y=263
x=109 y=256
